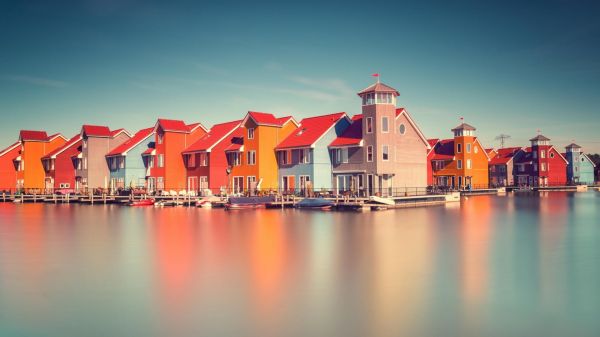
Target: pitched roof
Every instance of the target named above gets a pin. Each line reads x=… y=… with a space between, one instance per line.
x=464 y=126
x=116 y=132
x=310 y=130
x=132 y=142
x=433 y=141
x=215 y=135
x=402 y=111
x=539 y=138
x=10 y=148
x=352 y=136
x=96 y=130
x=237 y=141
x=378 y=87
x=73 y=141
x=504 y=155
x=444 y=150
x=268 y=119
x=32 y=135
x=175 y=125
x=572 y=146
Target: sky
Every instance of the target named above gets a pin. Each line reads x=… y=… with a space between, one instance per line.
x=506 y=68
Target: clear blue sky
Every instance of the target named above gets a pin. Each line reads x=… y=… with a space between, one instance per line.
x=507 y=68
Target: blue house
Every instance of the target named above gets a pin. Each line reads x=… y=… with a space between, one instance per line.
x=126 y=163
x=303 y=157
x=580 y=169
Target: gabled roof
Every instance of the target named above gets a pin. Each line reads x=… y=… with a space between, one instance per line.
x=216 y=134
x=589 y=159
x=572 y=146
x=539 y=138
x=132 y=142
x=54 y=136
x=352 y=136
x=32 y=135
x=237 y=141
x=378 y=87
x=528 y=156
x=444 y=150
x=10 y=148
x=116 y=132
x=267 y=119
x=175 y=125
x=504 y=156
x=73 y=141
x=432 y=142
x=402 y=111
x=96 y=131
x=464 y=126
x=311 y=130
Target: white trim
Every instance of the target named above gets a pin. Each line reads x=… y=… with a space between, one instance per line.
x=56 y=136
x=588 y=158
x=560 y=154
x=360 y=144
x=332 y=126
x=10 y=148
x=64 y=148
x=349 y=171
x=209 y=149
x=414 y=125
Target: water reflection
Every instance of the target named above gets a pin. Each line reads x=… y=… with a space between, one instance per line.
x=524 y=265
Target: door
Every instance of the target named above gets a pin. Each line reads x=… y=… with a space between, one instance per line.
x=203 y=184
x=192 y=184
x=151 y=182
x=370 y=184
x=238 y=184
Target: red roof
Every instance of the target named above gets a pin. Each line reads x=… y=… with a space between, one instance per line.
x=117 y=131
x=352 y=136
x=30 y=135
x=147 y=152
x=505 y=155
x=237 y=141
x=263 y=118
x=96 y=131
x=10 y=148
x=310 y=130
x=433 y=141
x=444 y=151
x=175 y=125
x=73 y=141
x=132 y=142
x=379 y=87
x=217 y=133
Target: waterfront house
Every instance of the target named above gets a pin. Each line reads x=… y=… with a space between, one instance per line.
x=125 y=162
x=206 y=160
x=254 y=163
x=91 y=167
x=540 y=164
x=59 y=166
x=580 y=168
x=460 y=162
x=303 y=156
x=8 y=171
x=501 y=166
x=166 y=171
x=34 y=146
x=383 y=151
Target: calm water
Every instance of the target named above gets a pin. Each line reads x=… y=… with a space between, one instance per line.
x=493 y=266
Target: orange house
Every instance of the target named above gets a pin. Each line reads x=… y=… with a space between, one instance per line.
x=34 y=146
x=460 y=162
x=166 y=170
x=253 y=162
x=8 y=172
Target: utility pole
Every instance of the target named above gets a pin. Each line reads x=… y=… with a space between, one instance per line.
x=502 y=138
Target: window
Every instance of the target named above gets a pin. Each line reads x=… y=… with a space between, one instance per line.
x=543 y=167
x=385 y=152
x=469 y=164
x=542 y=154
x=84 y=163
x=284 y=157
x=304 y=156
x=121 y=161
x=203 y=159
x=234 y=158
x=159 y=138
x=551 y=154
x=521 y=168
x=468 y=146
x=341 y=155
x=369 y=99
x=402 y=129
x=161 y=160
x=384 y=124
x=459 y=164
x=251 y=157
x=250 y=180
x=458 y=147
x=190 y=160
x=370 y=153
x=369 y=124
x=502 y=169
x=344 y=155
x=250 y=133
x=160 y=183
x=151 y=161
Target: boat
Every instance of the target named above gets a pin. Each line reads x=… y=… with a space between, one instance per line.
x=315 y=203
x=248 y=202
x=143 y=202
x=380 y=200
x=168 y=203
x=207 y=202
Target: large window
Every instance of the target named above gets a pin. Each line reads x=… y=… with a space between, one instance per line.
x=469 y=163
x=370 y=153
x=384 y=124
x=234 y=158
x=284 y=157
x=251 y=157
x=385 y=152
x=369 y=124
x=304 y=156
x=458 y=147
x=161 y=160
x=250 y=133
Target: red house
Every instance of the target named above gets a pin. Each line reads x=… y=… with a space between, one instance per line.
x=8 y=171
x=206 y=161
x=540 y=165
x=59 y=165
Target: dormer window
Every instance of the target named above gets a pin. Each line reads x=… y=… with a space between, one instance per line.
x=250 y=133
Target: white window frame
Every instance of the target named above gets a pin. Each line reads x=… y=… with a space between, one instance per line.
x=250 y=133
x=468 y=147
x=251 y=160
x=385 y=150
x=160 y=160
x=459 y=164
x=458 y=148
x=385 y=121
x=469 y=164
x=370 y=149
x=369 y=125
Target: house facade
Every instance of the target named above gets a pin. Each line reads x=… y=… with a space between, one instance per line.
x=460 y=162
x=59 y=166
x=383 y=151
x=303 y=156
x=91 y=166
x=126 y=163
x=206 y=160
x=501 y=166
x=580 y=168
x=8 y=171
x=34 y=145
x=254 y=162
x=166 y=170
x=540 y=164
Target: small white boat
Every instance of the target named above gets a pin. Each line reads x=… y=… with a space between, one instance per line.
x=380 y=200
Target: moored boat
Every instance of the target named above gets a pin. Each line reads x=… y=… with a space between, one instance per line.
x=143 y=202
x=248 y=202
x=315 y=203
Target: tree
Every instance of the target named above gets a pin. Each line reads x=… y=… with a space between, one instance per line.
x=594 y=158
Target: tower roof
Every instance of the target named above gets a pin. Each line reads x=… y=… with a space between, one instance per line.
x=539 y=138
x=464 y=126
x=572 y=146
x=379 y=87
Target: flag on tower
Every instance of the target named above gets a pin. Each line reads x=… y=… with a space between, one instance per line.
x=375 y=75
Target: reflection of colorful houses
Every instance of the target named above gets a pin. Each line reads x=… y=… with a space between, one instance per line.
x=125 y=162
x=383 y=151
x=461 y=161
x=540 y=165
x=580 y=168
x=59 y=165
x=166 y=169
x=501 y=166
x=206 y=159
x=34 y=146
x=257 y=167
x=91 y=168
x=8 y=171
x=303 y=156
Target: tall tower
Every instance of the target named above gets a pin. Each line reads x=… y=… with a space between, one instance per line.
x=573 y=155
x=464 y=148
x=540 y=145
